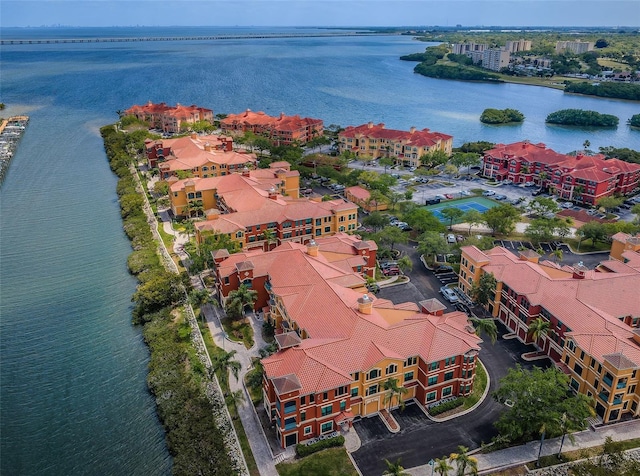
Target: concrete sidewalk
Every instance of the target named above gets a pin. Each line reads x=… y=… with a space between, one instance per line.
x=518 y=455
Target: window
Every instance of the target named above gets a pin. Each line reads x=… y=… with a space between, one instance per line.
x=448 y=375
x=449 y=361
x=571 y=345
x=307 y=430
x=374 y=373
x=578 y=369
x=431 y=396
x=372 y=390
x=354 y=392
x=411 y=361
x=341 y=390
x=303 y=416
x=312 y=398
x=343 y=405
x=290 y=423
x=575 y=385
x=446 y=391
x=326 y=410
x=408 y=376
x=303 y=400
x=392 y=369
x=325 y=427
x=432 y=380
x=289 y=407
x=325 y=396
x=356 y=376
x=582 y=355
x=434 y=366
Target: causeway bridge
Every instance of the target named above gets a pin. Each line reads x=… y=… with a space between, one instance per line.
x=44 y=41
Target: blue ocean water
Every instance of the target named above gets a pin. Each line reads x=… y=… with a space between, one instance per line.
x=73 y=397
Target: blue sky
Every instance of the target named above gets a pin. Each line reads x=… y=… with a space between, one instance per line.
x=320 y=12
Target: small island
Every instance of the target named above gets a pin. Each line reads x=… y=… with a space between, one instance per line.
x=634 y=121
x=580 y=117
x=501 y=116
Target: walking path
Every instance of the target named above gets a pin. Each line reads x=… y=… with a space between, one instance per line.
x=213 y=315
x=519 y=455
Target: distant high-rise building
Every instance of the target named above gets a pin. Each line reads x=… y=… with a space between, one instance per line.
x=466 y=48
x=520 y=45
x=577 y=47
x=495 y=59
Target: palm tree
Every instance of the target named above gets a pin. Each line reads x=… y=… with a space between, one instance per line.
x=557 y=255
x=464 y=461
x=391 y=385
x=189 y=228
x=486 y=326
x=237 y=397
x=405 y=264
x=442 y=466
x=225 y=363
x=394 y=469
x=239 y=299
x=268 y=236
x=538 y=329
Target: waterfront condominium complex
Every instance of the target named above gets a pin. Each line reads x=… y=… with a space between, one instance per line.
x=593 y=316
x=580 y=178
x=519 y=45
x=197 y=156
x=282 y=130
x=171 y=119
x=405 y=146
x=259 y=208
x=342 y=352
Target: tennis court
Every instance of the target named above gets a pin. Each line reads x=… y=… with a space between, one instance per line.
x=475 y=203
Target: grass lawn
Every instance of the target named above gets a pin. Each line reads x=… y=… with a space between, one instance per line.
x=583 y=453
x=479 y=384
x=329 y=462
x=239 y=331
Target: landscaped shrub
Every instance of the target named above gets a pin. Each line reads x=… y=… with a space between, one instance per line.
x=306 y=450
x=450 y=405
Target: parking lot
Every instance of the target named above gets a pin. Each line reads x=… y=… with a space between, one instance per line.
x=590 y=260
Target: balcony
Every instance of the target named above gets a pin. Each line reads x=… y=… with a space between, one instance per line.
x=604 y=396
x=607 y=379
x=621 y=384
x=617 y=400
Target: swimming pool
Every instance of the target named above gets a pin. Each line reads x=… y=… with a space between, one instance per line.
x=480 y=204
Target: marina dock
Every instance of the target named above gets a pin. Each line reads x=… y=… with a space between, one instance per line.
x=11 y=131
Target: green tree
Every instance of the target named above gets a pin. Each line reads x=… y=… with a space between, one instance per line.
x=541 y=206
x=405 y=264
x=464 y=461
x=375 y=220
x=386 y=162
x=539 y=397
x=224 y=362
x=484 y=290
x=593 y=231
x=450 y=169
x=238 y=300
x=431 y=243
x=434 y=158
x=538 y=329
x=394 y=390
x=452 y=214
x=609 y=203
x=472 y=217
x=501 y=219
x=390 y=236
x=394 y=469
x=442 y=466
x=636 y=211
x=487 y=327
x=423 y=220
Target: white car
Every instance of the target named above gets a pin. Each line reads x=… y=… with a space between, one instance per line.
x=448 y=294
x=451 y=239
x=566 y=205
x=465 y=193
x=488 y=193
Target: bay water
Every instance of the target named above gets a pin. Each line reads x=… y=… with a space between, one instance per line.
x=73 y=397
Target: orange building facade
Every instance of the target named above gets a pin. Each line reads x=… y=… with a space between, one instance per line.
x=170 y=119
x=593 y=318
x=282 y=130
x=339 y=346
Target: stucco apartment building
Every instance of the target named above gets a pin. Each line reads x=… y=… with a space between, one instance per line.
x=362 y=197
x=338 y=345
x=344 y=258
x=594 y=316
x=405 y=146
x=576 y=47
x=251 y=209
x=169 y=118
x=580 y=178
x=282 y=130
x=197 y=155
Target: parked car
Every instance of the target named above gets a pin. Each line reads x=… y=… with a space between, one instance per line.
x=392 y=271
x=537 y=192
x=529 y=184
x=441 y=197
x=448 y=196
x=465 y=193
x=566 y=204
x=443 y=269
x=388 y=264
x=507 y=182
x=499 y=197
x=488 y=193
x=451 y=238
x=459 y=238
x=449 y=294
x=432 y=201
